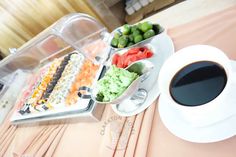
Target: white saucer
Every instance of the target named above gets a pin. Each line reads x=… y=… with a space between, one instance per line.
x=163 y=48
x=218 y=131
x=177 y=125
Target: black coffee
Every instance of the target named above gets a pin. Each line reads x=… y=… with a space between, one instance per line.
x=198 y=83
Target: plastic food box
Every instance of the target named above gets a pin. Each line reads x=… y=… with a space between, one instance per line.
x=74 y=33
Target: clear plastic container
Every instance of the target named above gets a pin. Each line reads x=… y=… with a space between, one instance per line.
x=75 y=31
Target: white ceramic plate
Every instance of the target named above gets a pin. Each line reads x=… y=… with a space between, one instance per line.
x=221 y=130
x=162 y=47
x=183 y=129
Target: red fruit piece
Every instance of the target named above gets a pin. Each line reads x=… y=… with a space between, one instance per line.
x=134 y=54
x=133 y=51
x=115 y=59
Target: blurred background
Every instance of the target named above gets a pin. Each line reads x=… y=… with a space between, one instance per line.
x=21 y=20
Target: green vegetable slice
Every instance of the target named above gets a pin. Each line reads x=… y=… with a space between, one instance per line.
x=146 y=26
x=126 y=29
x=114 y=42
x=138 y=38
x=123 y=41
x=149 y=34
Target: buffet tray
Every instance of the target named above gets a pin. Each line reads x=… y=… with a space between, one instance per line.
x=93 y=113
x=84 y=110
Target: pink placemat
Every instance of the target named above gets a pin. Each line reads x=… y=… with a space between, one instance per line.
x=217 y=30
x=112 y=136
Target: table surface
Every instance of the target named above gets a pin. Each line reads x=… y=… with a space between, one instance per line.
x=184 y=12
x=189 y=10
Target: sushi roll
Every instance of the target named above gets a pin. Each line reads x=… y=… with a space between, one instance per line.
x=84 y=78
x=64 y=84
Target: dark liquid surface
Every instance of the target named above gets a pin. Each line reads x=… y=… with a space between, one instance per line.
x=198 y=83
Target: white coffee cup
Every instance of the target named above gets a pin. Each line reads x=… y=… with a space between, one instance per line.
x=208 y=113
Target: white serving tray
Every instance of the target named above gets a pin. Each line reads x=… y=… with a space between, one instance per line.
x=162 y=47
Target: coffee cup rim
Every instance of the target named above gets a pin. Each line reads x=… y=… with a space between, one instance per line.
x=164 y=83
